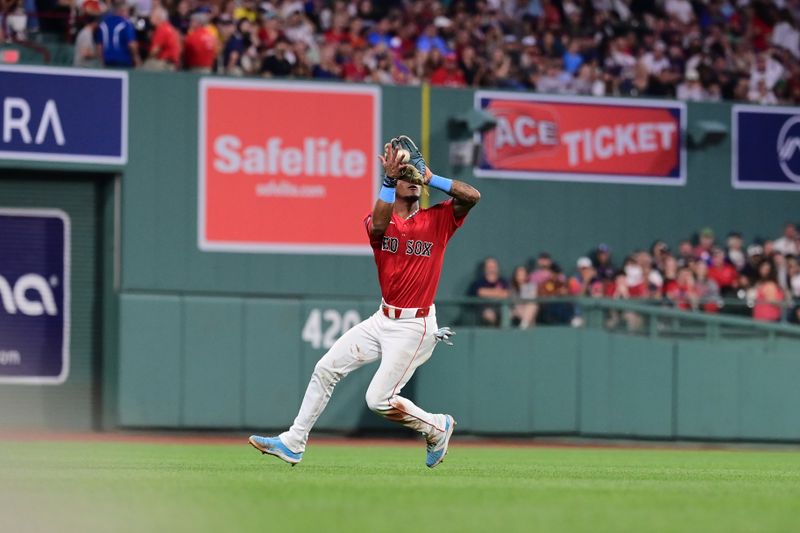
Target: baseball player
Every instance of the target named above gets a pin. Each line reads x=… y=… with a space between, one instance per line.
x=408 y=244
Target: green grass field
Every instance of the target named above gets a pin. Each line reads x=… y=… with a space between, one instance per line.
x=123 y=486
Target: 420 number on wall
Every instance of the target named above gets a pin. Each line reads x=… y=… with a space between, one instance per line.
x=324 y=327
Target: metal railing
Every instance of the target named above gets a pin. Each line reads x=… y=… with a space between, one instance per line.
x=651 y=318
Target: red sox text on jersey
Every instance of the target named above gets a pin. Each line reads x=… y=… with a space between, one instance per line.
x=409 y=255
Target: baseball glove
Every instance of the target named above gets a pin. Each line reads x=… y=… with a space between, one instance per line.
x=410 y=171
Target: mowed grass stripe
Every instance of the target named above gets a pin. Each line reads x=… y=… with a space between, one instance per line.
x=96 y=486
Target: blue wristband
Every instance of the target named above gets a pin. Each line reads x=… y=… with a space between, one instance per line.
x=387 y=194
x=443 y=184
x=389 y=182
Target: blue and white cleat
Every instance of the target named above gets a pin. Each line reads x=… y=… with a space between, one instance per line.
x=275 y=446
x=438 y=448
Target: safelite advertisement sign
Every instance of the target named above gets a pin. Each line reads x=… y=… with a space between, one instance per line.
x=582 y=139
x=286 y=167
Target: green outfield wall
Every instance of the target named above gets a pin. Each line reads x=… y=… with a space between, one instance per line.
x=220 y=340
x=549 y=380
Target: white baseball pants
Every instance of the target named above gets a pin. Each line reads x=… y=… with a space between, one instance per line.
x=402 y=345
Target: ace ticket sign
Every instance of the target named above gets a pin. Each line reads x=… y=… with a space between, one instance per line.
x=288 y=168
x=34 y=296
x=582 y=139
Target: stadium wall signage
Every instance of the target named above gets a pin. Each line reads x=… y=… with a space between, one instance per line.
x=765 y=147
x=34 y=296
x=540 y=137
x=63 y=115
x=282 y=164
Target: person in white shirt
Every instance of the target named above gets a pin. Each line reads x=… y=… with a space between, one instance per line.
x=788 y=244
x=656 y=61
x=680 y=10
x=762 y=94
x=785 y=35
x=85 y=48
x=691 y=89
x=765 y=69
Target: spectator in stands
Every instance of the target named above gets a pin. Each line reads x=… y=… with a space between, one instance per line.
x=542 y=270
x=723 y=273
x=691 y=89
x=785 y=34
x=585 y=281
x=769 y=296
x=430 y=40
x=684 y=293
x=554 y=284
x=793 y=276
x=449 y=74
x=380 y=33
x=492 y=286
x=86 y=53
x=602 y=263
x=523 y=314
x=165 y=47
x=278 y=61
x=656 y=61
x=15 y=20
x=298 y=28
x=707 y=289
x=685 y=253
x=698 y=51
x=245 y=9
x=201 y=45
x=735 y=252
x=116 y=38
x=781 y=270
x=669 y=273
x=181 y=17
x=651 y=276
x=755 y=255
x=789 y=242
x=235 y=58
x=635 y=282
x=584 y=284
x=269 y=28
x=793 y=279
x=659 y=251
x=572 y=59
x=327 y=68
x=705 y=242
x=633 y=321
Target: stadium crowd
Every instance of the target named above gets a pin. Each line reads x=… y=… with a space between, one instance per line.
x=704 y=50
x=702 y=274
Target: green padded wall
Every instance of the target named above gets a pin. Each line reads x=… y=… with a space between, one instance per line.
x=189 y=371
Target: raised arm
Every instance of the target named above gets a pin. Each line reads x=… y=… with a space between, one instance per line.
x=465 y=195
x=382 y=212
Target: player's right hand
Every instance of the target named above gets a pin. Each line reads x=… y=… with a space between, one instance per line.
x=443 y=335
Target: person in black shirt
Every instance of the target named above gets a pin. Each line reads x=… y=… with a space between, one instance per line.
x=277 y=63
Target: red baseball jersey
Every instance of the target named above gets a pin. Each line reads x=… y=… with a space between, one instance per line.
x=409 y=256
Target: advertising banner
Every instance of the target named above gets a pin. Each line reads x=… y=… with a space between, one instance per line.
x=765 y=148
x=34 y=296
x=64 y=115
x=543 y=137
x=289 y=168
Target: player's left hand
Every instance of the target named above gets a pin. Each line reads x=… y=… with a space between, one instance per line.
x=392 y=161
x=443 y=335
